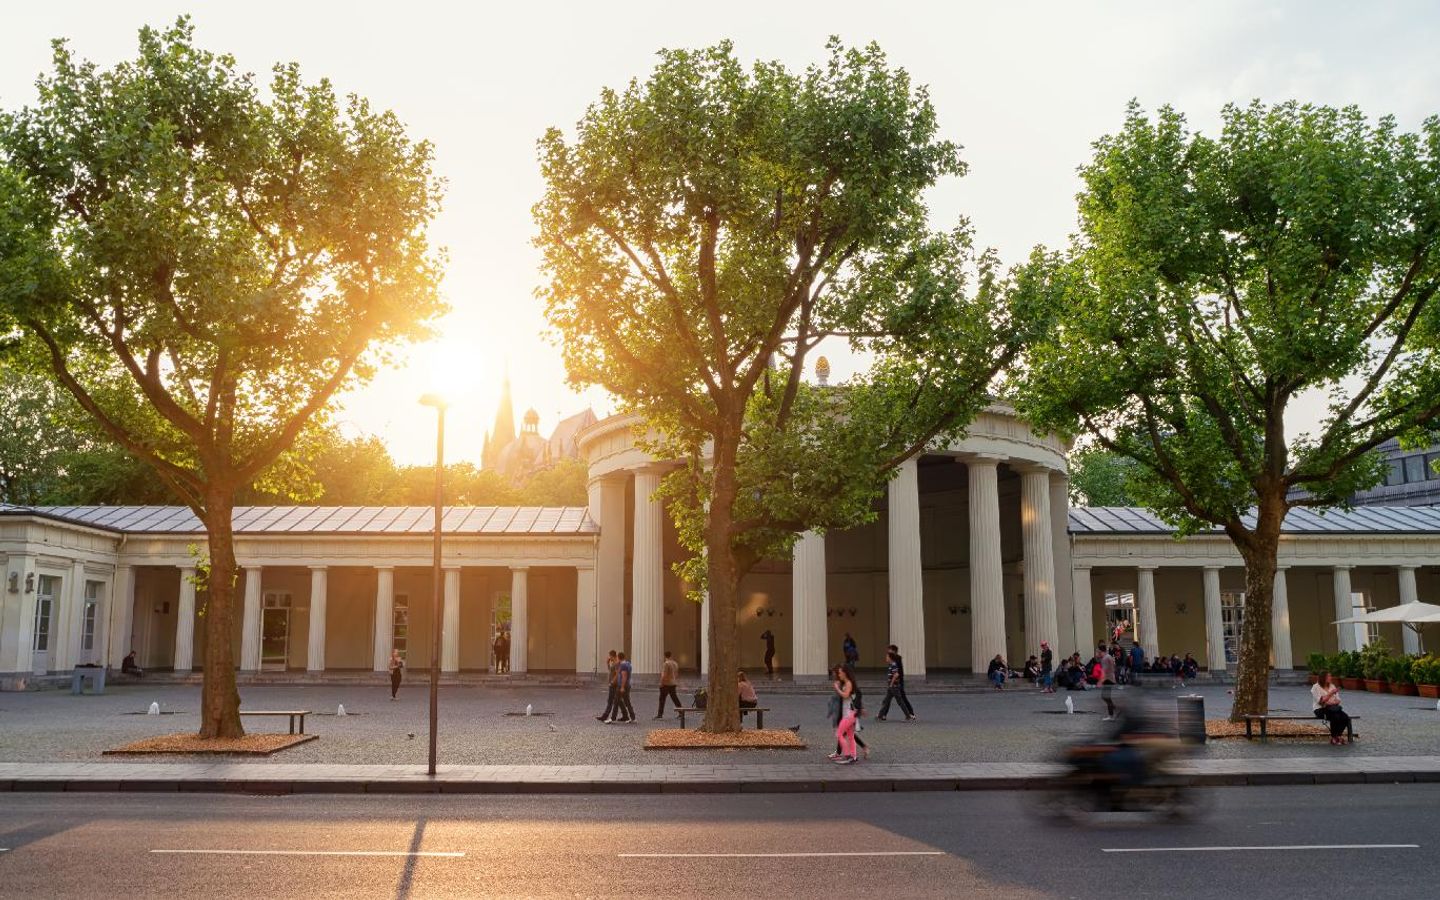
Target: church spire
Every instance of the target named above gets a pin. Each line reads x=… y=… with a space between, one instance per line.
x=504 y=431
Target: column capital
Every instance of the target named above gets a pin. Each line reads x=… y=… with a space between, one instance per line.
x=383 y=568
x=1149 y=568
x=982 y=459
x=318 y=568
x=1025 y=467
x=183 y=570
x=1345 y=568
x=1280 y=568
x=251 y=567
x=519 y=568
x=582 y=567
x=1212 y=568
x=451 y=567
x=1408 y=567
x=1081 y=567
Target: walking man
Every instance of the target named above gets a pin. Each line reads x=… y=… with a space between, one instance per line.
x=769 y=639
x=1107 y=682
x=612 y=671
x=1047 y=668
x=624 y=712
x=895 y=685
x=669 y=674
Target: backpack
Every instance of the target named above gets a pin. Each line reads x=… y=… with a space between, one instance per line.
x=700 y=697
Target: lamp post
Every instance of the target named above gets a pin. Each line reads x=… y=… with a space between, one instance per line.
x=439 y=404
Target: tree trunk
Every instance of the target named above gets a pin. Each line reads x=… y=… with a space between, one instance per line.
x=1260 y=550
x=219 y=698
x=722 y=708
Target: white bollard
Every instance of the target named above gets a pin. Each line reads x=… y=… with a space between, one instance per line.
x=1070 y=705
x=528 y=707
x=154 y=710
x=340 y=710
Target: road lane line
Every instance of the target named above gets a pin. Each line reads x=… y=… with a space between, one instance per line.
x=445 y=854
x=779 y=855
x=1272 y=847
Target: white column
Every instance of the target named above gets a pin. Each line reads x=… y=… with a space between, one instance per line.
x=585 y=659
x=1214 y=622
x=250 y=621
x=450 y=625
x=705 y=635
x=17 y=615
x=907 y=588
x=319 y=604
x=1148 y=629
x=1040 y=617
x=1408 y=594
x=1281 y=656
x=647 y=610
x=122 y=610
x=987 y=586
x=185 y=621
x=1084 y=611
x=808 y=629
x=519 y=620
x=384 y=617
x=72 y=622
x=1344 y=610
x=607 y=508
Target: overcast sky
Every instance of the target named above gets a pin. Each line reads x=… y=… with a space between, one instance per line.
x=1024 y=87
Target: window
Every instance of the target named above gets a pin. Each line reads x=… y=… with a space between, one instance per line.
x=44 y=603
x=1432 y=466
x=1396 y=475
x=1414 y=468
x=1232 y=620
x=87 y=624
x=400 y=636
x=1119 y=613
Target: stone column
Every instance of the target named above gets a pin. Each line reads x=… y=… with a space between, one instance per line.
x=450 y=624
x=907 y=588
x=1147 y=628
x=607 y=508
x=585 y=656
x=319 y=603
x=519 y=620
x=1040 y=616
x=185 y=621
x=1214 y=622
x=808 y=629
x=72 y=621
x=17 y=614
x=987 y=586
x=1084 y=612
x=250 y=621
x=1281 y=656
x=1343 y=610
x=122 y=611
x=384 y=617
x=1408 y=594
x=647 y=611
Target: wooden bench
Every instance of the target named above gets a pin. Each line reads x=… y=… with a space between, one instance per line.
x=1267 y=718
x=293 y=714
x=759 y=712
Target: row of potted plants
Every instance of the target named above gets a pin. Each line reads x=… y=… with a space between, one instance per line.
x=1373 y=668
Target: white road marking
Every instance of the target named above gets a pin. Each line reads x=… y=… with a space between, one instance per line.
x=778 y=855
x=1272 y=847
x=439 y=853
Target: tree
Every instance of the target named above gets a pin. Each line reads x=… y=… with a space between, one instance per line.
x=562 y=484
x=705 y=231
x=205 y=263
x=1099 y=477
x=1216 y=279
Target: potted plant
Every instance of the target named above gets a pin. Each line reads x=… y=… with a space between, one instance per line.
x=1317 y=663
x=1400 y=677
x=1347 y=666
x=1374 y=658
x=1426 y=673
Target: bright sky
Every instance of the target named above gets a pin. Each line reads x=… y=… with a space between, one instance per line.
x=1024 y=87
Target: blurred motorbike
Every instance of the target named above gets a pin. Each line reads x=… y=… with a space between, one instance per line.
x=1120 y=781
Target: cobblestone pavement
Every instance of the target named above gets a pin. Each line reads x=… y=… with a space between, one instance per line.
x=478 y=726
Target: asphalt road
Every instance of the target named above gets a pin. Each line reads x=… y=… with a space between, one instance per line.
x=914 y=845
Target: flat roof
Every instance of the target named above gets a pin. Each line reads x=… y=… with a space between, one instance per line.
x=533 y=521
x=1301 y=520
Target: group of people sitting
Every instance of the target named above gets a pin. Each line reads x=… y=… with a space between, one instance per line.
x=1073 y=674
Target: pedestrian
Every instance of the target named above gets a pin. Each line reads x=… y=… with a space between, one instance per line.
x=769 y=638
x=850 y=651
x=624 y=712
x=1047 y=668
x=1325 y=697
x=748 y=698
x=845 y=752
x=397 y=666
x=499 y=648
x=612 y=672
x=996 y=672
x=1137 y=663
x=669 y=674
x=895 y=685
x=129 y=666
x=1189 y=668
x=1107 y=684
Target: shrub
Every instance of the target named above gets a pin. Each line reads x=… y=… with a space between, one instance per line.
x=1399 y=669
x=1374 y=657
x=1426 y=670
x=1317 y=663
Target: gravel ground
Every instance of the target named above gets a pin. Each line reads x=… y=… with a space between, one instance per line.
x=1014 y=725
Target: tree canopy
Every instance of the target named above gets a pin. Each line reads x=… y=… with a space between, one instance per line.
x=1214 y=281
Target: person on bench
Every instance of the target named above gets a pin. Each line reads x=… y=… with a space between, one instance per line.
x=130 y=667
x=1325 y=695
x=748 y=698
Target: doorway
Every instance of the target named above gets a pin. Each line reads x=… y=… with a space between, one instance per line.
x=499 y=625
x=49 y=587
x=275 y=632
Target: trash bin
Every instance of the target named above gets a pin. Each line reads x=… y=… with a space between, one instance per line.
x=1190 y=717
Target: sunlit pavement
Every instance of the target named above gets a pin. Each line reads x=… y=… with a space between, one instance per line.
x=1253 y=842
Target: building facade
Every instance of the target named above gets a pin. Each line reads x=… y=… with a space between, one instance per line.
x=974 y=552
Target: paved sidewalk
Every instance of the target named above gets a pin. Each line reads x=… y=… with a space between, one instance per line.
x=309 y=778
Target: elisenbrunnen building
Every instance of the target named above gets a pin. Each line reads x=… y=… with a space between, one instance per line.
x=975 y=552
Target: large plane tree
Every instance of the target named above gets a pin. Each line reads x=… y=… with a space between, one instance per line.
x=704 y=231
x=1219 y=279
x=205 y=262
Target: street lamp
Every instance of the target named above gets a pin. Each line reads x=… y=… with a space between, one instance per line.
x=438 y=402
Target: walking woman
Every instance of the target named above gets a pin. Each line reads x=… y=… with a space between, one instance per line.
x=397 y=667
x=844 y=731
x=1325 y=696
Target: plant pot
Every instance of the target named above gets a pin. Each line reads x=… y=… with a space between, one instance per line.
x=1375 y=685
x=1350 y=684
x=1403 y=688
x=1432 y=691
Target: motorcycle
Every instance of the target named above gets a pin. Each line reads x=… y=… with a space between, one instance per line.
x=1118 y=782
